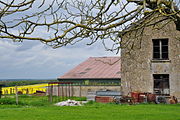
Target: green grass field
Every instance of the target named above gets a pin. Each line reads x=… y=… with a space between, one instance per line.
x=93 y=111
x=38 y=108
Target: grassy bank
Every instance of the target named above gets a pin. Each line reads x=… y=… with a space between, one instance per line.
x=38 y=108
x=93 y=111
x=32 y=100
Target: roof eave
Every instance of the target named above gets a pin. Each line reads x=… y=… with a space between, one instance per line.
x=87 y=78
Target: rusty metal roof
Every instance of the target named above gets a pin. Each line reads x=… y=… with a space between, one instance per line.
x=96 y=68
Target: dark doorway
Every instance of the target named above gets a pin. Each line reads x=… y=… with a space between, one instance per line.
x=161 y=84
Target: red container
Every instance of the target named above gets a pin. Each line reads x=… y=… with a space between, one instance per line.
x=142 y=97
x=151 y=97
x=104 y=99
x=135 y=97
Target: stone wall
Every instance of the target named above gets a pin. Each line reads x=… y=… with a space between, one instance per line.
x=138 y=65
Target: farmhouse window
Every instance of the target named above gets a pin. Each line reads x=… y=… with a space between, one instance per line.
x=161 y=84
x=160 y=49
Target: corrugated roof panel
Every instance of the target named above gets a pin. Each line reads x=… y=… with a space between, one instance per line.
x=95 y=67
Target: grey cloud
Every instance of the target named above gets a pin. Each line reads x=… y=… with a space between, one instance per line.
x=39 y=61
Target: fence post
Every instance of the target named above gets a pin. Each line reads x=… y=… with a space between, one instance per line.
x=62 y=92
x=79 y=90
x=16 y=89
x=51 y=93
x=69 y=90
x=72 y=91
x=0 y=91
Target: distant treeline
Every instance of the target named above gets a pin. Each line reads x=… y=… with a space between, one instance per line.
x=24 y=82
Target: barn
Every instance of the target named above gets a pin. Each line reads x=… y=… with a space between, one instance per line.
x=95 y=71
x=94 y=74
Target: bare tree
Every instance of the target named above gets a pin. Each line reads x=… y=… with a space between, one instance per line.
x=70 y=21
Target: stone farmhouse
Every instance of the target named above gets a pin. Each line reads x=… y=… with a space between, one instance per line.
x=151 y=61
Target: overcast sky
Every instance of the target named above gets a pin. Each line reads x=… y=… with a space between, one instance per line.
x=34 y=60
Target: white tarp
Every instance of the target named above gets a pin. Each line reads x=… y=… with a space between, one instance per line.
x=68 y=103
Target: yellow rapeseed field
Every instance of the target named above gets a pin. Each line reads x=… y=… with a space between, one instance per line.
x=28 y=89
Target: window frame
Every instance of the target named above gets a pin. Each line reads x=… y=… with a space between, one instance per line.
x=161 y=84
x=162 y=44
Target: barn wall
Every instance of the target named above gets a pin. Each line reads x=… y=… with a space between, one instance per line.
x=83 y=90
